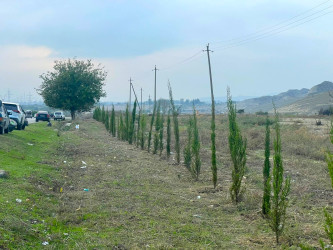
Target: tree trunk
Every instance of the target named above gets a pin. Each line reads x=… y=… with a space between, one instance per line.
x=73 y=114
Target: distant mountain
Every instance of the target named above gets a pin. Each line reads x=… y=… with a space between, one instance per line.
x=264 y=103
x=303 y=101
x=322 y=87
x=308 y=105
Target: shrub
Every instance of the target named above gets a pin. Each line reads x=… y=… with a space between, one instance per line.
x=261 y=113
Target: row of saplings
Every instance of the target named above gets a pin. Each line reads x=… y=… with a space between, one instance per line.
x=132 y=128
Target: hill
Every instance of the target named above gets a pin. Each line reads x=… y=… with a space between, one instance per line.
x=264 y=103
x=303 y=101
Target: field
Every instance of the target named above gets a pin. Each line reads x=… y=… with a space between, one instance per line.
x=83 y=189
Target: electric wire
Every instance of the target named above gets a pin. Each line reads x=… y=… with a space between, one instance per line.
x=273 y=26
x=268 y=35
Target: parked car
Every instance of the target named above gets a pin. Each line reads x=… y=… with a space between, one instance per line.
x=59 y=115
x=16 y=113
x=28 y=114
x=42 y=116
x=4 y=119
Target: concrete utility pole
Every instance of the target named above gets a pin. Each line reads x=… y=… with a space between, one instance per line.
x=129 y=105
x=214 y=168
x=155 y=69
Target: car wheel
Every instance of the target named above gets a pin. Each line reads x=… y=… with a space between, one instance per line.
x=2 y=131
x=23 y=127
x=7 y=130
x=36 y=120
x=19 y=126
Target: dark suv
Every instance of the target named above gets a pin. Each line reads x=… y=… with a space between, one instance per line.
x=42 y=116
x=4 y=119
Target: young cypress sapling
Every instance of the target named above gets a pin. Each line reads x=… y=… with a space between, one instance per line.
x=113 y=122
x=151 y=127
x=266 y=204
x=157 y=127
x=103 y=115
x=237 y=146
x=175 y=123
x=168 y=147
x=161 y=146
x=196 y=164
x=328 y=227
x=127 y=123
x=132 y=125
x=107 y=120
x=280 y=187
x=188 y=146
x=143 y=122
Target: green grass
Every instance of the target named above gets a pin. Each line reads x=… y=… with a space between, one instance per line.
x=29 y=157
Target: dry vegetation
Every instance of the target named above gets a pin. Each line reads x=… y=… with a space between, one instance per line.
x=139 y=200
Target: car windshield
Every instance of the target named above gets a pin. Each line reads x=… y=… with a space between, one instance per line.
x=11 y=107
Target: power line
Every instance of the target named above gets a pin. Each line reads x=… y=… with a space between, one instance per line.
x=273 y=26
x=269 y=35
x=186 y=60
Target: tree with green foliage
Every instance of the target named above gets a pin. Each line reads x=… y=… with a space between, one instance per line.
x=131 y=129
x=266 y=204
x=280 y=187
x=73 y=85
x=237 y=146
x=196 y=163
x=175 y=123
x=168 y=144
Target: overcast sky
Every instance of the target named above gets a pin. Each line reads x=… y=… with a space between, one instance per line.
x=130 y=37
